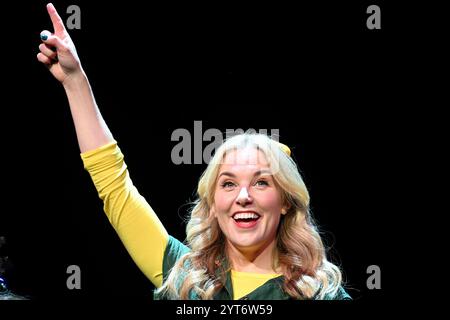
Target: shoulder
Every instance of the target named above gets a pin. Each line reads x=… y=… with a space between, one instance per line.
x=340 y=294
x=175 y=249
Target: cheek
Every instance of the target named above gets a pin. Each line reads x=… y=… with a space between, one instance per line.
x=223 y=202
x=270 y=201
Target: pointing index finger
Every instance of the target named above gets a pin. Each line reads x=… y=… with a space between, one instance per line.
x=58 y=24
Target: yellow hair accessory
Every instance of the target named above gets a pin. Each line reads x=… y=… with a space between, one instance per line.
x=285 y=148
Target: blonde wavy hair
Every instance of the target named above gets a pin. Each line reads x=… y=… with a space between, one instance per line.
x=201 y=273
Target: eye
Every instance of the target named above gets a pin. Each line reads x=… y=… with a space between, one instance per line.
x=261 y=183
x=227 y=185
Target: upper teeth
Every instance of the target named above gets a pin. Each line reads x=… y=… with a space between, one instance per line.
x=245 y=216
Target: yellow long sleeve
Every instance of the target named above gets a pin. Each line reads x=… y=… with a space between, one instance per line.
x=137 y=225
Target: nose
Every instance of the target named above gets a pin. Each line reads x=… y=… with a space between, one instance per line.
x=243 y=197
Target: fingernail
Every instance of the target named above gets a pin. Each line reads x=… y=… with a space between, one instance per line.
x=44 y=37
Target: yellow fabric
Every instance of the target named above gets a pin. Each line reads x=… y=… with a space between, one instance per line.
x=246 y=282
x=137 y=225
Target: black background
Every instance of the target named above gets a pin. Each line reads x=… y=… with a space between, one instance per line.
x=339 y=94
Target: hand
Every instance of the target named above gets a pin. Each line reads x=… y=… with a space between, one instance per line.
x=57 y=51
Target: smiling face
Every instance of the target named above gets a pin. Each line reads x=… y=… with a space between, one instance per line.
x=247 y=203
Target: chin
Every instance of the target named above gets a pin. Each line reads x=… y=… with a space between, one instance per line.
x=246 y=244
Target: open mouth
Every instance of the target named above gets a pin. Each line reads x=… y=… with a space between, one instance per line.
x=246 y=219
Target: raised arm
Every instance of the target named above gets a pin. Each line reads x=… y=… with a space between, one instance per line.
x=58 y=53
x=134 y=220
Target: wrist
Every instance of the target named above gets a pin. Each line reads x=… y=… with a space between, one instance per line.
x=74 y=80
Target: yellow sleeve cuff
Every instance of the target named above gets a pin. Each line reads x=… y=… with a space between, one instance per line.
x=91 y=157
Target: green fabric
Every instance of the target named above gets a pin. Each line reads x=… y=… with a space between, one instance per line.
x=271 y=290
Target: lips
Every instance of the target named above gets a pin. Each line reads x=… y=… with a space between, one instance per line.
x=246 y=219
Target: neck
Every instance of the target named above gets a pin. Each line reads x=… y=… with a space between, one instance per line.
x=253 y=259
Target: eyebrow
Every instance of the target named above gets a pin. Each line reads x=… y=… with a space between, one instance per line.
x=257 y=173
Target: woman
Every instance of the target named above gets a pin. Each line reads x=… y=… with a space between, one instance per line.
x=250 y=234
